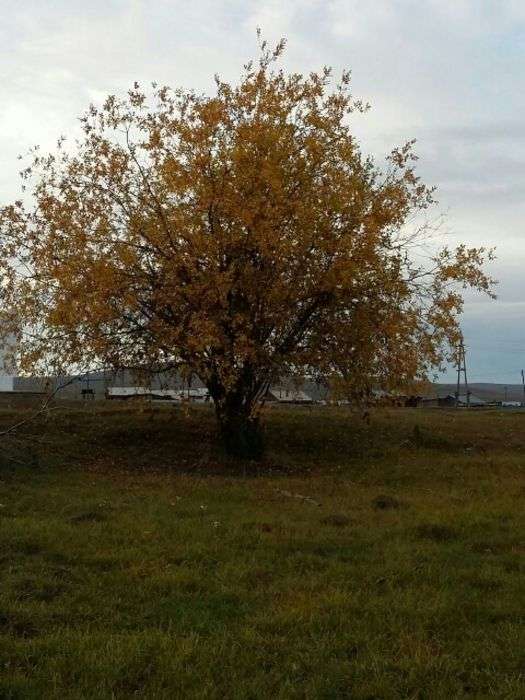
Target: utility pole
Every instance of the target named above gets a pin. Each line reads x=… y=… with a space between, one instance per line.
x=523 y=383
x=461 y=368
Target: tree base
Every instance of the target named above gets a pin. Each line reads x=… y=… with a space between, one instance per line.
x=241 y=438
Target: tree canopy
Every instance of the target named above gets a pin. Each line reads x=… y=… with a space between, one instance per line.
x=240 y=236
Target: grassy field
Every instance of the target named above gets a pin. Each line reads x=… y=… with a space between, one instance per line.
x=381 y=560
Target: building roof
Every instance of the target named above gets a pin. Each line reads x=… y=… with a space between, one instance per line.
x=196 y=393
x=472 y=399
x=289 y=394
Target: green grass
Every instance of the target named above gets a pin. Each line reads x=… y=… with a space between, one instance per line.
x=360 y=561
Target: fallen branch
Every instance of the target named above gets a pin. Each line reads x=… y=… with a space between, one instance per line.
x=45 y=406
x=289 y=494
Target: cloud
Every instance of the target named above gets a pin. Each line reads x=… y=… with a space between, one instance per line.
x=444 y=71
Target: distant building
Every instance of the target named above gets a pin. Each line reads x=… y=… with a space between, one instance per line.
x=462 y=400
x=198 y=394
x=428 y=401
x=289 y=394
x=6 y=382
x=7 y=369
x=135 y=392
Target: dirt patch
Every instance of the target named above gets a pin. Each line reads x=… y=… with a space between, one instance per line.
x=89 y=516
x=44 y=591
x=383 y=502
x=336 y=520
x=437 y=533
x=17 y=625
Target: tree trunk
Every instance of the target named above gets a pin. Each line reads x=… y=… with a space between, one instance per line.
x=240 y=433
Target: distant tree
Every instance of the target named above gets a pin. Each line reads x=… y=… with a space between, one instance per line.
x=241 y=237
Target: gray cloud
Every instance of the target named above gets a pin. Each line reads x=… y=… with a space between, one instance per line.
x=447 y=72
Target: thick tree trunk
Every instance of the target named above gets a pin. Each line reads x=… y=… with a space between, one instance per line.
x=237 y=417
x=240 y=434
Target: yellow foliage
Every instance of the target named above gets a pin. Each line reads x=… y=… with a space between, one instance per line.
x=242 y=236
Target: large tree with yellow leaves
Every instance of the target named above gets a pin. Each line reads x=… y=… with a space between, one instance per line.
x=239 y=236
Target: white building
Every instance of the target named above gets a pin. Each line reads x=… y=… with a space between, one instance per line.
x=6 y=366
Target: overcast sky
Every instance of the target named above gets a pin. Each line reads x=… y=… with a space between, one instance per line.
x=447 y=72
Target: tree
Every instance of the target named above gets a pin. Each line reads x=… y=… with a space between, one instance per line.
x=239 y=236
